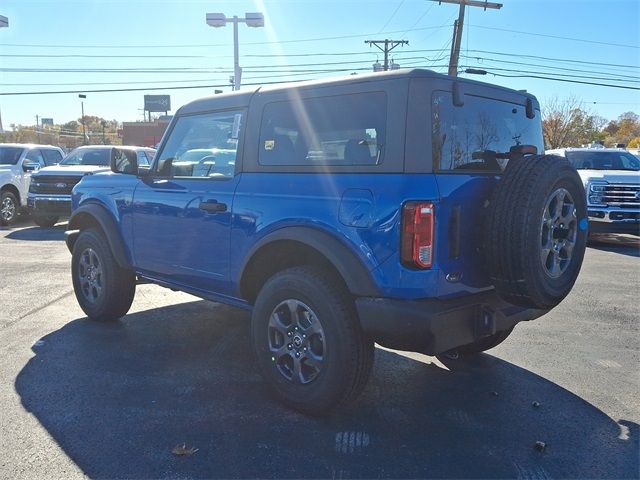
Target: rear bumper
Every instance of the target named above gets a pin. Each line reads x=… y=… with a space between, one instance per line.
x=434 y=326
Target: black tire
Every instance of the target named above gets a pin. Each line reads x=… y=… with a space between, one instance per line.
x=103 y=289
x=346 y=353
x=9 y=207
x=533 y=259
x=485 y=343
x=45 y=221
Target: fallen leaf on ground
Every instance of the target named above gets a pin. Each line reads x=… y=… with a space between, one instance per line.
x=183 y=450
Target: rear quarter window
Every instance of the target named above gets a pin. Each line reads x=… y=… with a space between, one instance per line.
x=340 y=130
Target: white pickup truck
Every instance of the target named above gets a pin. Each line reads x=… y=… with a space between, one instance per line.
x=17 y=162
x=611 y=179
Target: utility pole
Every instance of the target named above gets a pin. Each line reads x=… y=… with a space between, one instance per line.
x=388 y=46
x=457 y=28
x=84 y=131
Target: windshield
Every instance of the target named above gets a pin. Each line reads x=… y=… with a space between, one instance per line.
x=10 y=155
x=599 y=160
x=88 y=156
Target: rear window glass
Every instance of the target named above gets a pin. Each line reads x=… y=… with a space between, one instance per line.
x=461 y=135
x=88 y=156
x=596 y=160
x=338 y=130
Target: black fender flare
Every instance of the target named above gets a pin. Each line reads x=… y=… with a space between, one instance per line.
x=357 y=277
x=100 y=215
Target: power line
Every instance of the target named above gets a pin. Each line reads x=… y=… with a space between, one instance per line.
x=391 y=17
x=318 y=54
x=563 y=80
x=559 y=74
x=553 y=59
x=556 y=37
x=318 y=39
x=548 y=67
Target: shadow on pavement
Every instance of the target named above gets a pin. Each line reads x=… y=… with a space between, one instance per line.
x=119 y=397
x=611 y=242
x=39 y=234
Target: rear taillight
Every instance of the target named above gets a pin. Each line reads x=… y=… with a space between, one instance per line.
x=417 y=234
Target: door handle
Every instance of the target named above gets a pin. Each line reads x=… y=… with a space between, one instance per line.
x=212 y=206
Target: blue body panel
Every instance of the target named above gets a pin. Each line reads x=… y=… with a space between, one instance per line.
x=171 y=240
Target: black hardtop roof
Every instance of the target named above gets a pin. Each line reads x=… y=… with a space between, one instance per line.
x=240 y=98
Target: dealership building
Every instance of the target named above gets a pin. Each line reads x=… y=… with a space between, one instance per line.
x=144 y=134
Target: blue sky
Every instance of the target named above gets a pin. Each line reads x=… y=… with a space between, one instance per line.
x=303 y=39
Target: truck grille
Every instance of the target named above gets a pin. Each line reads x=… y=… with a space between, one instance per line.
x=53 y=184
x=622 y=195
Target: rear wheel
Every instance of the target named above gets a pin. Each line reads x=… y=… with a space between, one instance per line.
x=536 y=231
x=308 y=341
x=8 y=208
x=104 y=290
x=45 y=221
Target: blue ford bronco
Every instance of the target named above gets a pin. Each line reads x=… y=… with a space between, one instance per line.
x=406 y=208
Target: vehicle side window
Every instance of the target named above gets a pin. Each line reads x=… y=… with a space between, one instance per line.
x=202 y=146
x=629 y=162
x=142 y=158
x=337 y=130
x=35 y=155
x=51 y=157
x=463 y=138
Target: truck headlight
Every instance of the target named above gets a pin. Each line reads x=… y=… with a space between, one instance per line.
x=596 y=192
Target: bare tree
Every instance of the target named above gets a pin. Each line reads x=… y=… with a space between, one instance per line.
x=558 y=120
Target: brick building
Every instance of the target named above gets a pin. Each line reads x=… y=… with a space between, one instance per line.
x=144 y=134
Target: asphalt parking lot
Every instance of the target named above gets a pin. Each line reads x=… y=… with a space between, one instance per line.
x=78 y=398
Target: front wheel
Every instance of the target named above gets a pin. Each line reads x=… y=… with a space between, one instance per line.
x=8 y=208
x=308 y=341
x=104 y=290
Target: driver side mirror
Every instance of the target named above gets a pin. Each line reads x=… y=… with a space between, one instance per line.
x=124 y=161
x=30 y=166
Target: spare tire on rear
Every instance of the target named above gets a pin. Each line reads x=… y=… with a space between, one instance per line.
x=536 y=231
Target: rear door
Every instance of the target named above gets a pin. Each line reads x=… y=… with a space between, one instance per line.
x=467 y=172
x=182 y=212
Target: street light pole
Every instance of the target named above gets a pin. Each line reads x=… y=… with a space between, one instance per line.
x=84 y=132
x=217 y=20
x=237 y=71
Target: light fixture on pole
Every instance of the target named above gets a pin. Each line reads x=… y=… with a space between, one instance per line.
x=217 y=20
x=82 y=96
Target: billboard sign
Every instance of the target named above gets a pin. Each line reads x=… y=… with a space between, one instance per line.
x=46 y=121
x=157 y=103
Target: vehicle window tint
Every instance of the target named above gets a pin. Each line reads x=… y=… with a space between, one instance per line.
x=51 y=157
x=143 y=161
x=464 y=138
x=202 y=146
x=10 y=155
x=338 y=130
x=88 y=156
x=599 y=160
x=35 y=156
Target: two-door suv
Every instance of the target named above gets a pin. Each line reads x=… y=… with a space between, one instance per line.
x=405 y=208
